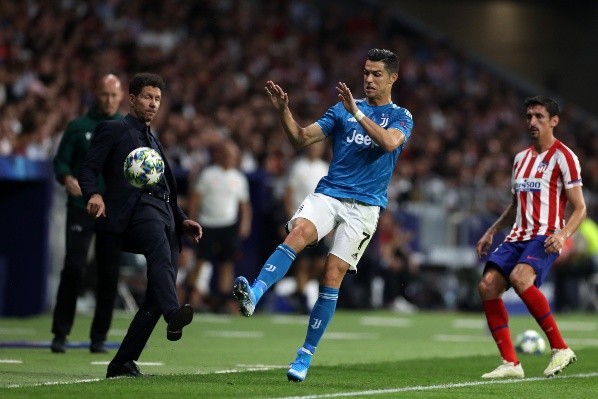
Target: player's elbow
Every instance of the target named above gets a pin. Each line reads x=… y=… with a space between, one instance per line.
x=391 y=144
x=583 y=210
x=301 y=140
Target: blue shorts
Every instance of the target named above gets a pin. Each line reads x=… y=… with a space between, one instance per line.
x=509 y=254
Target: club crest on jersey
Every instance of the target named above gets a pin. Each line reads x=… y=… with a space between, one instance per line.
x=384 y=120
x=542 y=166
x=88 y=135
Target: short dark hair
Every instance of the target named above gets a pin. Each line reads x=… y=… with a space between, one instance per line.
x=143 y=79
x=551 y=105
x=388 y=58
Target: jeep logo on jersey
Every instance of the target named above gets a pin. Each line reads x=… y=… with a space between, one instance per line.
x=361 y=139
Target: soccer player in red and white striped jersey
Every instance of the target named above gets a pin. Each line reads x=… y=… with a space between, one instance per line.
x=545 y=177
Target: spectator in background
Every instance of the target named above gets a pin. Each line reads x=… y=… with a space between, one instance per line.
x=545 y=177
x=80 y=226
x=303 y=177
x=395 y=263
x=222 y=53
x=220 y=201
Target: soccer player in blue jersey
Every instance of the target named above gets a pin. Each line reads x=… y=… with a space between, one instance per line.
x=367 y=137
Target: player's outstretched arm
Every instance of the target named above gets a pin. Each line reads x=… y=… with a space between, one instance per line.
x=298 y=136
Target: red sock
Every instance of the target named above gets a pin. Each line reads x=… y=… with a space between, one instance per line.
x=498 y=322
x=539 y=308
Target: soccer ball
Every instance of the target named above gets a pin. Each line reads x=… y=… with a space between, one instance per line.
x=530 y=342
x=143 y=167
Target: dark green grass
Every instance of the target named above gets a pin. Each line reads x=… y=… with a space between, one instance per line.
x=373 y=354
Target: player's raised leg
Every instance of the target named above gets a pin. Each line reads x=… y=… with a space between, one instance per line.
x=275 y=268
x=302 y=233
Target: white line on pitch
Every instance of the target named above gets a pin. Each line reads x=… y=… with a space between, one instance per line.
x=11 y=361
x=433 y=387
x=290 y=319
x=469 y=323
x=245 y=368
x=577 y=326
x=105 y=363
x=385 y=321
x=17 y=331
x=461 y=338
x=350 y=336
x=234 y=334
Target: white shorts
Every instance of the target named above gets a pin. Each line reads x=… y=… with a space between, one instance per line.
x=354 y=223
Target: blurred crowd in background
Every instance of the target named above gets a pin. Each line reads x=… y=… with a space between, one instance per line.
x=216 y=55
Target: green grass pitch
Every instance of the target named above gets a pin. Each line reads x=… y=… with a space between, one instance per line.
x=363 y=354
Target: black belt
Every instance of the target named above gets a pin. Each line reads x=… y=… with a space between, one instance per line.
x=158 y=194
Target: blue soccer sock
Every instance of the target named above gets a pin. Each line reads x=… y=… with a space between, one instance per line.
x=274 y=269
x=320 y=316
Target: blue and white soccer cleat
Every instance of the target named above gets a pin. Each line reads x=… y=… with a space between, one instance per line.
x=242 y=293
x=298 y=369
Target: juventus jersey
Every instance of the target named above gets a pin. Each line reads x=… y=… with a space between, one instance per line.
x=540 y=182
x=359 y=168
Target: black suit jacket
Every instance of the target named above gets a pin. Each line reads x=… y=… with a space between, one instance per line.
x=111 y=143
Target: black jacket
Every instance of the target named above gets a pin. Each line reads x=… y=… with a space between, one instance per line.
x=112 y=142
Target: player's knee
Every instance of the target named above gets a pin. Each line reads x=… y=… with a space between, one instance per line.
x=301 y=235
x=522 y=277
x=333 y=273
x=489 y=288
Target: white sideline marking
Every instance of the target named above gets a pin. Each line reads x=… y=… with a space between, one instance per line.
x=577 y=325
x=478 y=338
x=243 y=368
x=117 y=332
x=105 y=363
x=461 y=338
x=11 y=361
x=434 y=387
x=350 y=336
x=213 y=318
x=17 y=331
x=234 y=334
x=259 y=367
x=44 y=384
x=290 y=319
x=247 y=367
x=385 y=321
x=469 y=323
x=582 y=341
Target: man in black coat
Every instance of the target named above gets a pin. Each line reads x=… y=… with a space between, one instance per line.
x=145 y=221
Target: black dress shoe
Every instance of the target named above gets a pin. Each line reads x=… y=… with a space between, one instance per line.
x=180 y=318
x=98 y=347
x=58 y=345
x=127 y=369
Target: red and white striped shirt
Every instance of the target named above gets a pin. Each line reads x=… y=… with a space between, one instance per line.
x=539 y=181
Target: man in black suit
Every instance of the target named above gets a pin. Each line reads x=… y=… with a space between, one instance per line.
x=145 y=221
